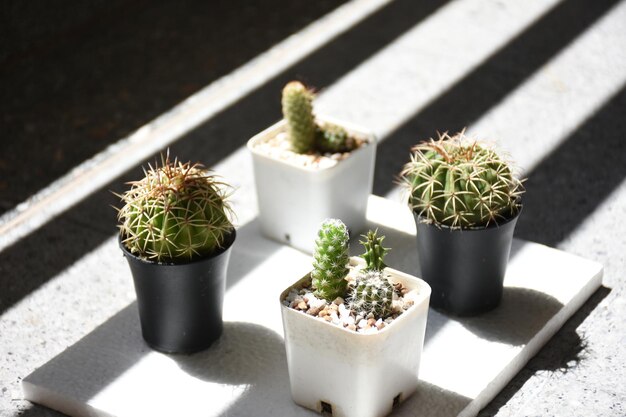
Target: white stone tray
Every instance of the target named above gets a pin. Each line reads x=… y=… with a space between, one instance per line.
x=465 y=363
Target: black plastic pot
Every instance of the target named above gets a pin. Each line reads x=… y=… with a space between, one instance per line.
x=180 y=305
x=465 y=268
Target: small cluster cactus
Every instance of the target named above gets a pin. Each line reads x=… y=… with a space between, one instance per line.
x=176 y=213
x=305 y=135
x=457 y=182
x=330 y=260
x=331 y=138
x=371 y=292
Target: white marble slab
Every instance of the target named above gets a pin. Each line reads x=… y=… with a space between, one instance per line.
x=466 y=362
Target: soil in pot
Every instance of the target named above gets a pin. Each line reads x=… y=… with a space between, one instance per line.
x=339 y=313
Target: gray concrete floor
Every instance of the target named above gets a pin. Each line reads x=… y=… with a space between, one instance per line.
x=546 y=78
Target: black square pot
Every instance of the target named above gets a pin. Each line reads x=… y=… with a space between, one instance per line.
x=180 y=304
x=465 y=268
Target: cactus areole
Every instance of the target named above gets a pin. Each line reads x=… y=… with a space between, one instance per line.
x=459 y=183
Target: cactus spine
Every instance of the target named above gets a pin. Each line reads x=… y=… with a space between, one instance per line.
x=371 y=292
x=331 y=256
x=176 y=213
x=460 y=184
x=297 y=103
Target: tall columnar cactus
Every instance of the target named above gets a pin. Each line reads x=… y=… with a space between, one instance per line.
x=297 y=103
x=176 y=213
x=371 y=292
x=374 y=251
x=459 y=183
x=331 y=257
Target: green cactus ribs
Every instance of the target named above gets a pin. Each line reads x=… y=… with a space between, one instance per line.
x=374 y=251
x=330 y=260
x=459 y=183
x=176 y=213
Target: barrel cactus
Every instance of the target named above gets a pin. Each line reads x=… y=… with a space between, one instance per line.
x=332 y=138
x=371 y=292
x=178 y=212
x=459 y=183
x=330 y=260
x=297 y=103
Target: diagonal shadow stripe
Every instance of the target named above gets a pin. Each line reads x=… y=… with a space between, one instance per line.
x=235 y=125
x=488 y=84
x=77 y=76
x=45 y=253
x=569 y=184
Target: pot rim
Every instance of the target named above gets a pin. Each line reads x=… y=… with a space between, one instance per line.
x=368 y=136
x=228 y=242
x=495 y=225
x=423 y=295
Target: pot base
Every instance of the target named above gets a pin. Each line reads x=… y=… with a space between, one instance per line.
x=180 y=305
x=464 y=268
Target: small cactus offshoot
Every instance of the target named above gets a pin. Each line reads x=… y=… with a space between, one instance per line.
x=330 y=260
x=176 y=213
x=371 y=292
x=297 y=104
x=332 y=138
x=461 y=184
x=305 y=134
x=374 y=251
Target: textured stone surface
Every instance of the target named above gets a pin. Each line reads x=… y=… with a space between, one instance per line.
x=546 y=81
x=465 y=361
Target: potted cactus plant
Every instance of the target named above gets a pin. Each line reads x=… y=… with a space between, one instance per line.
x=466 y=200
x=354 y=329
x=176 y=234
x=308 y=168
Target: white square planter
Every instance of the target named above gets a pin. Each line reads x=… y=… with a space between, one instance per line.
x=293 y=199
x=349 y=374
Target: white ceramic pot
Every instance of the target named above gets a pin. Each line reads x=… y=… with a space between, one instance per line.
x=293 y=199
x=349 y=374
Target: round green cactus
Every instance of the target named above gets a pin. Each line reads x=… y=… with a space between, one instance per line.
x=332 y=138
x=176 y=213
x=372 y=293
x=330 y=260
x=459 y=183
x=297 y=104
